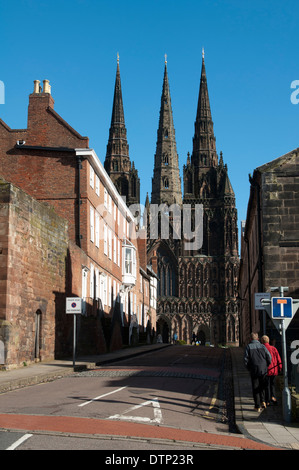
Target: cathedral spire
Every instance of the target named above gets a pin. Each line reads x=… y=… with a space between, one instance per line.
x=204 y=143
x=166 y=183
x=117 y=162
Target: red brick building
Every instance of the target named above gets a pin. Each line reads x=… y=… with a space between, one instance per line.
x=54 y=165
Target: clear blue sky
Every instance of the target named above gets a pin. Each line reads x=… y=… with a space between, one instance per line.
x=251 y=56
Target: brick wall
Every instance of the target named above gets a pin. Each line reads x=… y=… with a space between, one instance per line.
x=33 y=252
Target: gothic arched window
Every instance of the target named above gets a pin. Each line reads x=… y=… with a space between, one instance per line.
x=166 y=274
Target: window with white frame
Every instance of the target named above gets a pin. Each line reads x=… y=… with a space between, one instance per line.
x=91 y=176
x=129 y=263
x=91 y=293
x=114 y=292
x=109 y=244
x=97 y=281
x=97 y=229
x=84 y=288
x=109 y=291
x=114 y=249
x=118 y=252
x=105 y=240
x=91 y=224
x=105 y=198
x=103 y=289
x=97 y=185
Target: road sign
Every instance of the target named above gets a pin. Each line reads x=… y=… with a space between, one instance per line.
x=258 y=298
x=74 y=305
x=282 y=307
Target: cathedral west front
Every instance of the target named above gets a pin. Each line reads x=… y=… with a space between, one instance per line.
x=197 y=282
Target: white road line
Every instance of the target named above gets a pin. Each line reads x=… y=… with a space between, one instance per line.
x=141 y=419
x=101 y=396
x=19 y=442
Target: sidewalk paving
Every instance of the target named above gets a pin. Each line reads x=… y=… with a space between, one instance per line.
x=266 y=427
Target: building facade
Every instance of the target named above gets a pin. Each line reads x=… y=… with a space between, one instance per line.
x=53 y=164
x=197 y=290
x=270 y=243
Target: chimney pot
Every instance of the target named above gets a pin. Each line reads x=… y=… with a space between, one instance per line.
x=47 y=87
x=36 y=86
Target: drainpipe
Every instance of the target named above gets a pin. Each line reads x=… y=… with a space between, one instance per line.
x=79 y=161
x=256 y=185
x=249 y=283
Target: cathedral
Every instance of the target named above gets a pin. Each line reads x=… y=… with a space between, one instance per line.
x=197 y=287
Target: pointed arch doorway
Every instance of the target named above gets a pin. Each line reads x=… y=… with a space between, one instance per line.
x=163 y=330
x=201 y=336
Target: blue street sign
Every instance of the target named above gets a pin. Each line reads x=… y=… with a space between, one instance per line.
x=282 y=307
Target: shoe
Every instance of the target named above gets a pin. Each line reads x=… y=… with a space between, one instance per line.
x=258 y=409
x=274 y=401
x=264 y=405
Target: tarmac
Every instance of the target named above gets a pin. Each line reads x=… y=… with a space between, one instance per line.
x=266 y=428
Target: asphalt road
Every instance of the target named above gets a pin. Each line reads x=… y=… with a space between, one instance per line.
x=177 y=398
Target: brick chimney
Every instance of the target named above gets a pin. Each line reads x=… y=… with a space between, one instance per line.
x=39 y=102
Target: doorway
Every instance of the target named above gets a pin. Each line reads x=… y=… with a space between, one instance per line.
x=37 y=340
x=201 y=337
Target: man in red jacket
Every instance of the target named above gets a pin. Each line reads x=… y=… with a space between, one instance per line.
x=273 y=370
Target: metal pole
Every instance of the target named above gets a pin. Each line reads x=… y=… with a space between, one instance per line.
x=286 y=394
x=74 y=340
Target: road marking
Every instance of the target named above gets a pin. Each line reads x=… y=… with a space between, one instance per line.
x=142 y=419
x=101 y=396
x=213 y=403
x=19 y=442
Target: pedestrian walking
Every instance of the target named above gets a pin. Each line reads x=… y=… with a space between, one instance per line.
x=175 y=338
x=257 y=359
x=273 y=370
x=194 y=338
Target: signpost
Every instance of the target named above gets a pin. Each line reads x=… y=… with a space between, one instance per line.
x=74 y=306
x=281 y=310
x=259 y=297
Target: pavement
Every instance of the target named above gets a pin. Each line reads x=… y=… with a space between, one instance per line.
x=258 y=430
x=267 y=426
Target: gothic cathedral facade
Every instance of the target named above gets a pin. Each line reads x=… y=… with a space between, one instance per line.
x=197 y=287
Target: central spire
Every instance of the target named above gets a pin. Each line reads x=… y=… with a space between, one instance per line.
x=166 y=183
x=204 y=143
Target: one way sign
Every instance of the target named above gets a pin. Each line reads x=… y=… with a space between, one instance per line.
x=282 y=307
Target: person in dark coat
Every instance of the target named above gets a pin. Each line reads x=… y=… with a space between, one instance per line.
x=257 y=359
x=273 y=370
